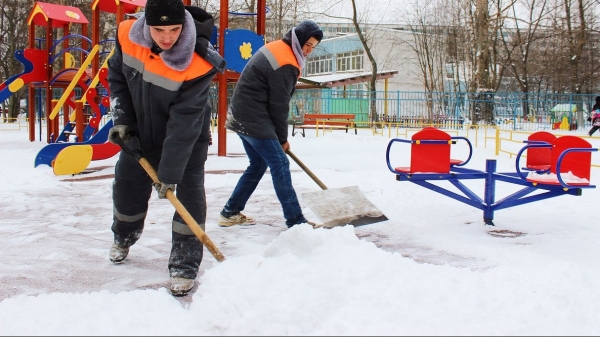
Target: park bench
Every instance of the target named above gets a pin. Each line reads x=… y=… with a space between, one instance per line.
x=325 y=122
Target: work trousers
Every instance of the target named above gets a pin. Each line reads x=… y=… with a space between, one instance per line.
x=262 y=154
x=132 y=189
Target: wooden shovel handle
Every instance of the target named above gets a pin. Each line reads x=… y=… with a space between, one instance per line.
x=187 y=217
x=309 y=172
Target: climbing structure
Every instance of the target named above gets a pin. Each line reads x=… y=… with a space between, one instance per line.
x=83 y=139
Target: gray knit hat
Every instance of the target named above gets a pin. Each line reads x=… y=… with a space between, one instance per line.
x=164 y=12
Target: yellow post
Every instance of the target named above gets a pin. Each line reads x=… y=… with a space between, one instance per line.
x=92 y=86
x=498 y=144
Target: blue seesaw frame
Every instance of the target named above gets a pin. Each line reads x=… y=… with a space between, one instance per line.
x=456 y=172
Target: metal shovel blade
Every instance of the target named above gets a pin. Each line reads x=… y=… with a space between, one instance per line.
x=342 y=206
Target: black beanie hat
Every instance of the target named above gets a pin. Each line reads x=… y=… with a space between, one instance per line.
x=307 y=29
x=164 y=12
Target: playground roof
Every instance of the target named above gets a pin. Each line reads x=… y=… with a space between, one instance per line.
x=59 y=14
x=110 y=6
x=564 y=108
x=341 y=79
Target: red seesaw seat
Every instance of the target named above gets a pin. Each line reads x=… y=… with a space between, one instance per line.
x=539 y=158
x=568 y=154
x=430 y=152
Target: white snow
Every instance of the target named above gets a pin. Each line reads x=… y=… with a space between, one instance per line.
x=433 y=268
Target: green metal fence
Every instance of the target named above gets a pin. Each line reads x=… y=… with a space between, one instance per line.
x=514 y=111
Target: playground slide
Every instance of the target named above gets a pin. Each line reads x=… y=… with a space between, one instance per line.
x=89 y=96
x=33 y=62
x=97 y=146
x=72 y=158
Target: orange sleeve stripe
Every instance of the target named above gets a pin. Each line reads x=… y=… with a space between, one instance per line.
x=283 y=53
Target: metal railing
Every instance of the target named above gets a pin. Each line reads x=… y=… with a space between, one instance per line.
x=508 y=111
x=13 y=124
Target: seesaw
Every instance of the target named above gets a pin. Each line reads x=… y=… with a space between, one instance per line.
x=73 y=158
x=76 y=158
x=557 y=166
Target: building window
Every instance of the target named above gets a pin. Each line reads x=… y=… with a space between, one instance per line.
x=356 y=90
x=350 y=61
x=318 y=65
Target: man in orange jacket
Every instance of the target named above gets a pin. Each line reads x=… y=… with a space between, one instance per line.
x=258 y=113
x=159 y=79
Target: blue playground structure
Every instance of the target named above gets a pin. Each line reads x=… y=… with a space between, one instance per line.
x=564 y=169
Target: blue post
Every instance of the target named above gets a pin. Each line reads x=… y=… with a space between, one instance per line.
x=490 y=191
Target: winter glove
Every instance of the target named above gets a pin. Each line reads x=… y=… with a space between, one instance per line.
x=118 y=131
x=162 y=188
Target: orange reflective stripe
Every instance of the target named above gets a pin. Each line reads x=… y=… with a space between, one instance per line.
x=283 y=53
x=144 y=59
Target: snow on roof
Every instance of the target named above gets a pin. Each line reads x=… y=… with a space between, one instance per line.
x=341 y=79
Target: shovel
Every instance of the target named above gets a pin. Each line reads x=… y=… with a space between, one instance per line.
x=187 y=217
x=339 y=206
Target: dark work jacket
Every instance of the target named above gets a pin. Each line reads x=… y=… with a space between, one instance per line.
x=260 y=103
x=161 y=96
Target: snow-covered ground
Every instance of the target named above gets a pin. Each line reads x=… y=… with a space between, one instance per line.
x=433 y=268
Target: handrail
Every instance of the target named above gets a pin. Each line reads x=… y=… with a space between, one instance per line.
x=387 y=152
x=464 y=162
x=559 y=162
x=92 y=86
x=73 y=83
x=96 y=78
x=65 y=50
x=522 y=150
x=58 y=42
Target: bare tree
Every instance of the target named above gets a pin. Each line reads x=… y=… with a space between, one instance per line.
x=427 y=21
x=13 y=27
x=518 y=50
x=358 y=20
x=373 y=82
x=570 y=25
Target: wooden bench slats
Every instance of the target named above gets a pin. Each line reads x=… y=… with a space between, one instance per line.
x=325 y=121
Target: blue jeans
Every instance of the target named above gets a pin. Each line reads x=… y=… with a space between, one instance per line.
x=263 y=153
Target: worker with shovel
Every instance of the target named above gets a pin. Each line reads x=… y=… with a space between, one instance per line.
x=159 y=79
x=258 y=113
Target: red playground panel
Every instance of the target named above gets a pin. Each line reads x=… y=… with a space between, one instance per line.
x=575 y=160
x=430 y=152
x=104 y=151
x=539 y=158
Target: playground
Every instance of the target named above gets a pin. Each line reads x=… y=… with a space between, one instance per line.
x=487 y=233
x=66 y=79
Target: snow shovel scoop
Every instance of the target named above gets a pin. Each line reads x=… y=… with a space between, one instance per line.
x=187 y=217
x=339 y=206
